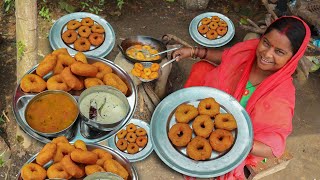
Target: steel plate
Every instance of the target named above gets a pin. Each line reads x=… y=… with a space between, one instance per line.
x=176 y=158
x=59 y=27
x=143 y=152
x=79 y=130
x=133 y=175
x=197 y=37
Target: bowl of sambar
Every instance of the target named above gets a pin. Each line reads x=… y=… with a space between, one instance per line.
x=51 y=113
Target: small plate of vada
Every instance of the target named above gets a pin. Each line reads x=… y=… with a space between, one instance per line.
x=84 y=32
x=133 y=140
x=211 y=29
x=146 y=72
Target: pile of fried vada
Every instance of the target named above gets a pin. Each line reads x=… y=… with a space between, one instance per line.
x=143 y=52
x=71 y=161
x=83 y=34
x=70 y=73
x=213 y=27
x=132 y=139
x=146 y=73
x=209 y=134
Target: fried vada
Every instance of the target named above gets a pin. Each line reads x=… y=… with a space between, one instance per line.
x=185 y=113
x=46 y=65
x=32 y=83
x=180 y=134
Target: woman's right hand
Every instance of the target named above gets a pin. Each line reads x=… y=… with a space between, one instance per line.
x=182 y=53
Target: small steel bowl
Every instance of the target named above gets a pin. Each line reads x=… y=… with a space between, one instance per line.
x=100 y=125
x=55 y=134
x=142 y=40
x=103 y=175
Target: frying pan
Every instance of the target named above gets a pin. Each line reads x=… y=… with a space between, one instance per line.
x=142 y=40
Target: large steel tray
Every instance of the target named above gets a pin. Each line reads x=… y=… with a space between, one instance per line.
x=79 y=130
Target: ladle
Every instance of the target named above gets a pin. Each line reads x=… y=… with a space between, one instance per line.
x=160 y=70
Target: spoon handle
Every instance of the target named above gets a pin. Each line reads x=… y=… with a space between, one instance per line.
x=167 y=51
x=172 y=60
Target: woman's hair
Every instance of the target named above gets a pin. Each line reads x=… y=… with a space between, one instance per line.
x=293 y=28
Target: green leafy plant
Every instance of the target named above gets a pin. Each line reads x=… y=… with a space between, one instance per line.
x=1 y=160
x=84 y=5
x=20 y=139
x=8 y=4
x=69 y=8
x=44 y=13
x=95 y=10
x=101 y=2
x=2 y=121
x=21 y=49
x=120 y=3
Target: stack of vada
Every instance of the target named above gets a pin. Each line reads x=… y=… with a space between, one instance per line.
x=132 y=139
x=71 y=161
x=83 y=34
x=212 y=27
x=146 y=73
x=209 y=134
x=70 y=73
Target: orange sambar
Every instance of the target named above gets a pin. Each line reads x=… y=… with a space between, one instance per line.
x=51 y=113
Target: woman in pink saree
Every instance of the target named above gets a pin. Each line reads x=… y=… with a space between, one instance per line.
x=258 y=73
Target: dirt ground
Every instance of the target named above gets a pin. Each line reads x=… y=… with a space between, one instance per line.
x=156 y=18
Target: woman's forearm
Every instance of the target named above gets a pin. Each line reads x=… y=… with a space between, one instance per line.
x=262 y=150
x=212 y=55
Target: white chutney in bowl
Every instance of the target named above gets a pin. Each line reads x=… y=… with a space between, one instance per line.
x=110 y=107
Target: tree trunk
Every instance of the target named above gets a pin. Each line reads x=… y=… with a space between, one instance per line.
x=26 y=35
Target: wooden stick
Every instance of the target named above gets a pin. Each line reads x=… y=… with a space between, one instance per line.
x=266 y=4
x=152 y=95
x=253 y=24
x=170 y=37
x=147 y=101
x=141 y=101
x=253 y=29
x=7 y=118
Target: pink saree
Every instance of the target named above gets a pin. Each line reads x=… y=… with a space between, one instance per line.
x=271 y=106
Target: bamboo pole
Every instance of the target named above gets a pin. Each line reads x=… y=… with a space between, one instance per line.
x=26 y=35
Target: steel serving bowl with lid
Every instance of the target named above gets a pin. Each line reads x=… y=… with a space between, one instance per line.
x=51 y=113
x=103 y=107
x=142 y=40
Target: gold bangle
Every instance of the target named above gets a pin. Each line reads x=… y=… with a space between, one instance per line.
x=195 y=54
x=192 y=52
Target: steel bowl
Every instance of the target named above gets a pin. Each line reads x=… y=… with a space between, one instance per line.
x=55 y=134
x=100 y=125
x=142 y=40
x=103 y=175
